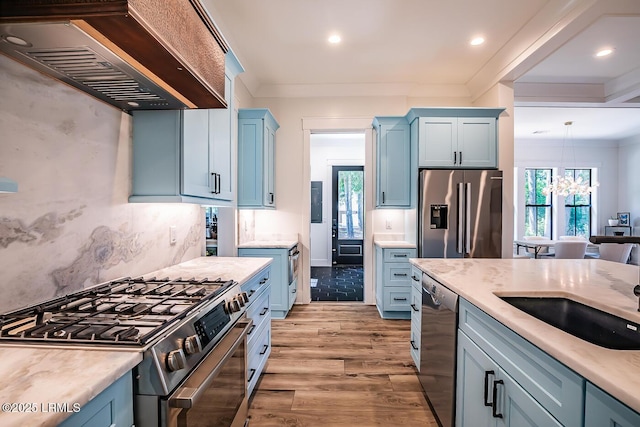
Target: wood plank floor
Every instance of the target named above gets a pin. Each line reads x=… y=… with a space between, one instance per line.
x=339 y=364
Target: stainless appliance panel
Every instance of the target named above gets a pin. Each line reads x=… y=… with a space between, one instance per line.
x=294 y=257
x=484 y=207
x=438 y=188
x=460 y=214
x=216 y=391
x=438 y=348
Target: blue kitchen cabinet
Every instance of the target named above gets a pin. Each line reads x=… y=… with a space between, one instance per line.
x=259 y=336
x=456 y=137
x=112 y=407
x=395 y=175
x=393 y=282
x=416 y=315
x=601 y=409
x=186 y=155
x=532 y=388
x=283 y=292
x=256 y=158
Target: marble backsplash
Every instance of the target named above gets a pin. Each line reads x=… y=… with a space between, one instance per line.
x=70 y=225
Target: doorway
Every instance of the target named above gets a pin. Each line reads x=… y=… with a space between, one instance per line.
x=347 y=232
x=337 y=231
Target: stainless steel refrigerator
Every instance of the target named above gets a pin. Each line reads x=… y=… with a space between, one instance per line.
x=460 y=214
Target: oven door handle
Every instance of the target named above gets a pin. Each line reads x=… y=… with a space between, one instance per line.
x=189 y=394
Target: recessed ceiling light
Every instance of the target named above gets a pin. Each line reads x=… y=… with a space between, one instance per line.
x=334 y=39
x=477 y=41
x=604 y=52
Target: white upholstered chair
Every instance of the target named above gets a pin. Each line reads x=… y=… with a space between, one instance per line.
x=618 y=252
x=573 y=249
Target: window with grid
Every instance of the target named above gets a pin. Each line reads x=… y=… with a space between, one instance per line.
x=537 y=205
x=577 y=208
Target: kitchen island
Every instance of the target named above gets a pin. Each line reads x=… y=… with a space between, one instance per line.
x=48 y=385
x=605 y=285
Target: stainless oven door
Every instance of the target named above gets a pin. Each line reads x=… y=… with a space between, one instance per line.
x=215 y=393
x=294 y=256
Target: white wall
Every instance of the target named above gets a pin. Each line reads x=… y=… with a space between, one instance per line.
x=602 y=155
x=70 y=225
x=629 y=184
x=326 y=151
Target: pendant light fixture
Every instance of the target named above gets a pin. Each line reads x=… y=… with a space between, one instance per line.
x=567 y=185
x=8 y=185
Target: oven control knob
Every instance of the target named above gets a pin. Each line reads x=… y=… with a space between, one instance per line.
x=245 y=297
x=239 y=300
x=232 y=306
x=191 y=345
x=176 y=360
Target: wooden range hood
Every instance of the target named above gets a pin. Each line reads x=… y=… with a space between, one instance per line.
x=134 y=54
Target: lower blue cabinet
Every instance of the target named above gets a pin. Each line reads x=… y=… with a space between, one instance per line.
x=112 y=407
x=259 y=336
x=603 y=410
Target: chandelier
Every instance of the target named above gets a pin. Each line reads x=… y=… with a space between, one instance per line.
x=567 y=185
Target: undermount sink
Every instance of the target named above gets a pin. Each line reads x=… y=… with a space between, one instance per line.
x=582 y=321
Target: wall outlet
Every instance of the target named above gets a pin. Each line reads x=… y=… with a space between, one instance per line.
x=173 y=239
x=388 y=225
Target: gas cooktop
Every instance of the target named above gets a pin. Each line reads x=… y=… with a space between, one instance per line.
x=128 y=312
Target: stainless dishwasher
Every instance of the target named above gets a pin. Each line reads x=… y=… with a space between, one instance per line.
x=438 y=348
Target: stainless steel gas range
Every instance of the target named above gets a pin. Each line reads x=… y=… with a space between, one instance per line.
x=192 y=335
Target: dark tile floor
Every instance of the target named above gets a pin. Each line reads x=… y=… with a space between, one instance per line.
x=337 y=283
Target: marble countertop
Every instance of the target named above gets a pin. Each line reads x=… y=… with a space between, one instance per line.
x=268 y=244
x=602 y=284
x=43 y=375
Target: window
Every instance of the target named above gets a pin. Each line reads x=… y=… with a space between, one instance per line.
x=578 y=208
x=537 y=205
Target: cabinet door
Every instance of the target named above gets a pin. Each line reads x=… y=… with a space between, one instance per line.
x=603 y=410
x=393 y=159
x=250 y=162
x=269 y=166
x=474 y=384
x=477 y=143
x=196 y=179
x=438 y=142
x=220 y=144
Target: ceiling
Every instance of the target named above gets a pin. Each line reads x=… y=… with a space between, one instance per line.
x=420 y=48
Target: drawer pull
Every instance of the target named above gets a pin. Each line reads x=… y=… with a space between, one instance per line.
x=413 y=344
x=400 y=274
x=399 y=299
x=264 y=350
x=416 y=278
x=263 y=281
x=294 y=291
x=399 y=255
x=251 y=374
x=494 y=404
x=264 y=311
x=252 y=291
x=251 y=329
x=486 y=387
x=413 y=306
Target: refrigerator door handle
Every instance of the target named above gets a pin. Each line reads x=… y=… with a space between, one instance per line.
x=460 y=223
x=467 y=222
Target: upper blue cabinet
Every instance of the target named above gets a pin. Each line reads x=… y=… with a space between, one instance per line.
x=187 y=155
x=465 y=138
x=256 y=158
x=395 y=175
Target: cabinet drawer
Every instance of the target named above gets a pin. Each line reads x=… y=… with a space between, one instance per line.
x=415 y=345
x=259 y=309
x=397 y=274
x=416 y=277
x=257 y=354
x=293 y=289
x=601 y=409
x=257 y=283
x=397 y=298
x=558 y=389
x=416 y=306
x=398 y=255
